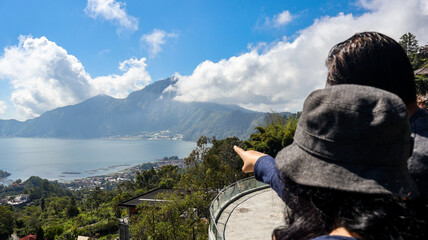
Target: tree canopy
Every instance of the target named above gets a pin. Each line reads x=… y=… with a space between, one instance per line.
x=418 y=56
x=6 y=222
x=277 y=133
x=409 y=43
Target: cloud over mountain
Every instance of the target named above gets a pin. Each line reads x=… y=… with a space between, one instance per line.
x=44 y=76
x=281 y=76
x=3 y=107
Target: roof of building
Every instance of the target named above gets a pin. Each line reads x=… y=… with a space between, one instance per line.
x=421 y=71
x=29 y=237
x=150 y=197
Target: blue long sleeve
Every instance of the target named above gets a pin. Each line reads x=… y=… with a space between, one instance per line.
x=266 y=171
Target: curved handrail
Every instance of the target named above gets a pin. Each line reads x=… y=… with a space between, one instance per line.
x=226 y=196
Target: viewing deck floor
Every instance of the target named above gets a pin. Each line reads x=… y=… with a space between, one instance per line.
x=253 y=216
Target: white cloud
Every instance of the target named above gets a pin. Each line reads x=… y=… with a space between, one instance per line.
x=156 y=39
x=3 y=107
x=424 y=6
x=104 y=51
x=44 y=76
x=112 y=10
x=282 y=76
x=282 y=19
x=134 y=77
x=279 y=20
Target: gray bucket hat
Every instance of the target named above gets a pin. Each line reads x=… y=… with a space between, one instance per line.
x=351 y=138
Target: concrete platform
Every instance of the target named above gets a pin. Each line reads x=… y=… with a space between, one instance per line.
x=253 y=216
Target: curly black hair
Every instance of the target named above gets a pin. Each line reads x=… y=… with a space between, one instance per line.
x=315 y=211
x=372 y=59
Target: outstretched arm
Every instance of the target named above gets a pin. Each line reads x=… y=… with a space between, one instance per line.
x=249 y=158
x=263 y=166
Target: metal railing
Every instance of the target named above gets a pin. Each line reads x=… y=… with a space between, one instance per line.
x=226 y=196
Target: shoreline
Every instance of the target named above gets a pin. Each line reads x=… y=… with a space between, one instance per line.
x=110 y=180
x=4 y=176
x=114 y=178
x=65 y=160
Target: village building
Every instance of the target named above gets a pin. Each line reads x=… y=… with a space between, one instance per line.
x=153 y=198
x=16 y=200
x=29 y=237
x=83 y=238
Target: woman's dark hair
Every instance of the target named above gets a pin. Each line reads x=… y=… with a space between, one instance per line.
x=315 y=211
x=372 y=59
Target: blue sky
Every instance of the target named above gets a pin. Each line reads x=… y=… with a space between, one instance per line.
x=262 y=55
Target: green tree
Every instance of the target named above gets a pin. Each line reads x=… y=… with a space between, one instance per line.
x=164 y=177
x=6 y=222
x=120 y=197
x=29 y=220
x=421 y=85
x=42 y=204
x=72 y=209
x=418 y=57
x=54 y=231
x=277 y=133
x=96 y=197
x=423 y=57
x=409 y=43
x=179 y=218
x=40 y=235
x=126 y=186
x=212 y=168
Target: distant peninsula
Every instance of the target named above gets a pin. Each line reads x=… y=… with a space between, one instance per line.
x=111 y=180
x=4 y=174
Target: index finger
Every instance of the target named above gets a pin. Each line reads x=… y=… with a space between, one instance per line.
x=237 y=149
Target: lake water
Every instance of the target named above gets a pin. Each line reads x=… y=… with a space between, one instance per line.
x=67 y=159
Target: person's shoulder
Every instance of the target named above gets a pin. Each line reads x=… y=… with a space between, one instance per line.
x=420 y=114
x=419 y=122
x=333 y=237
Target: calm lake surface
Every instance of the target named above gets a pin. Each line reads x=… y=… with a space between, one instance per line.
x=67 y=159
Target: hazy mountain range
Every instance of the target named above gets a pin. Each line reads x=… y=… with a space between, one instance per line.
x=145 y=111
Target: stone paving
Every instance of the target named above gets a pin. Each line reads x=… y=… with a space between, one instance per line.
x=253 y=216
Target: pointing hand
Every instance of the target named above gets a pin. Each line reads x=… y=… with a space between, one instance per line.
x=249 y=158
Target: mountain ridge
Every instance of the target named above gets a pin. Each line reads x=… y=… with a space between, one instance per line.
x=150 y=109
